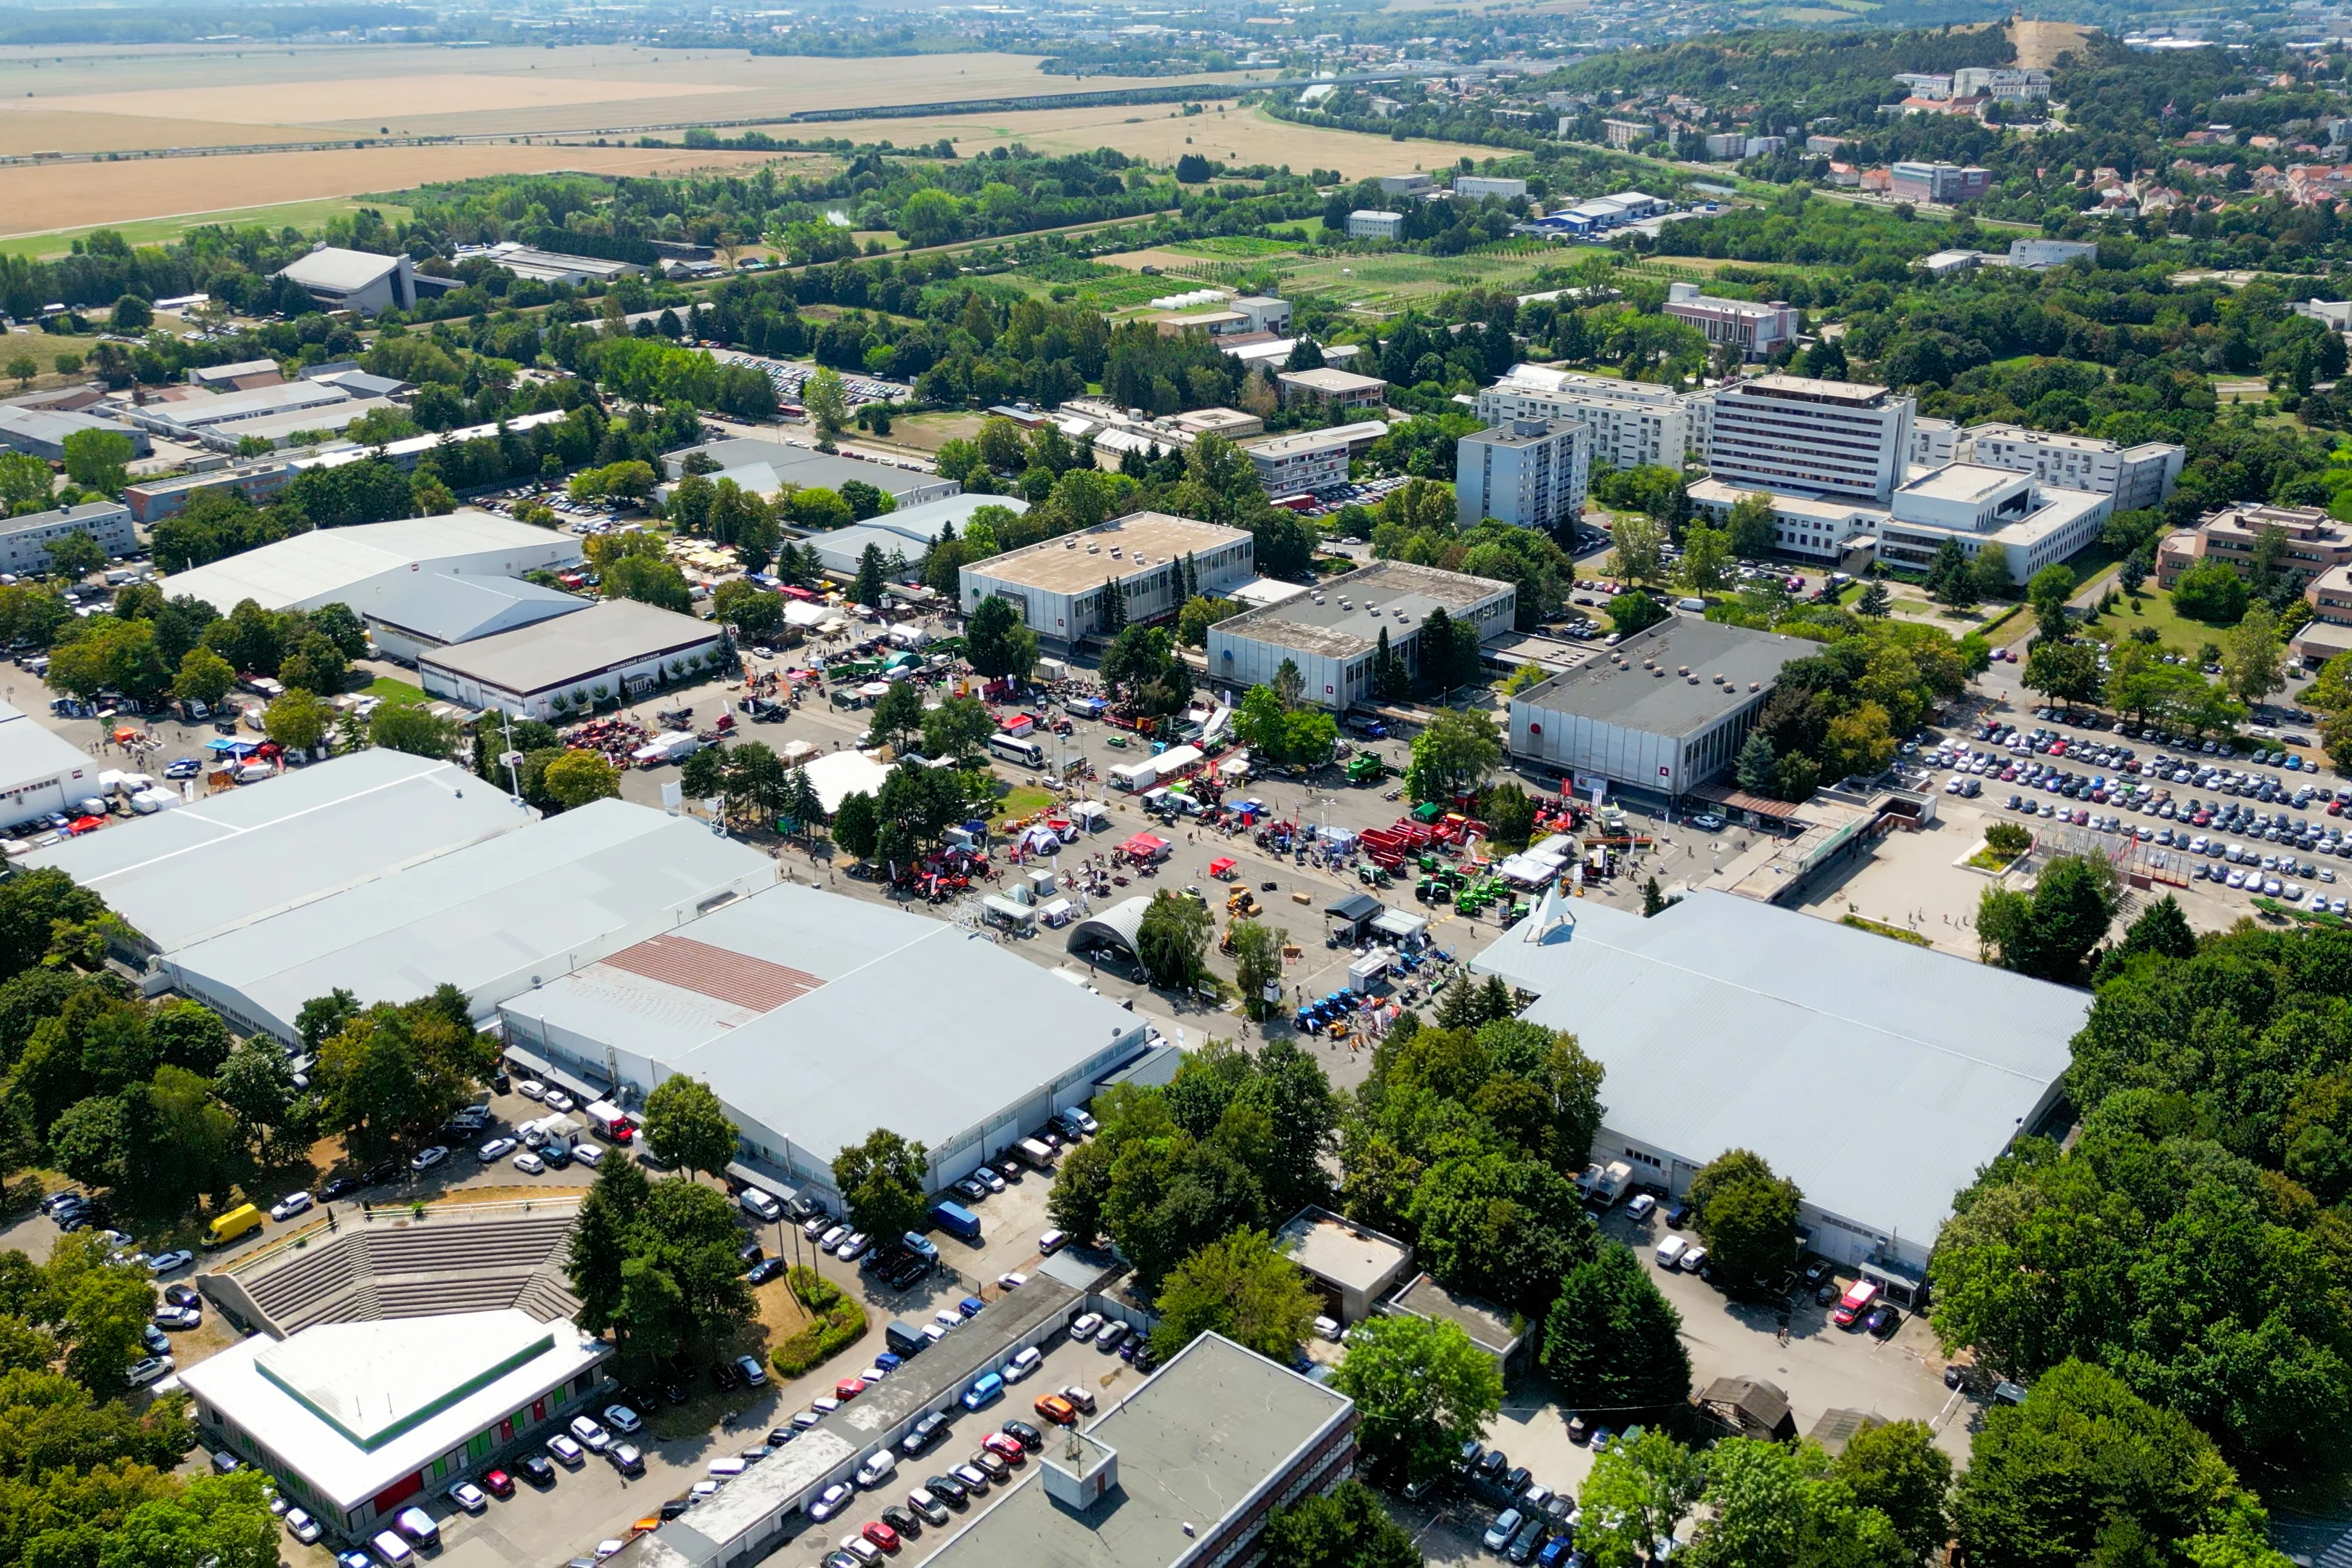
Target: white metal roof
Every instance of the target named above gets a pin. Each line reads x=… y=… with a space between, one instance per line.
x=956 y=1028
x=355 y=1407
x=32 y=754
x=340 y=270
x=569 y=649
x=240 y=855
x=451 y=608
x=1723 y=1023
x=492 y=919
x=312 y=569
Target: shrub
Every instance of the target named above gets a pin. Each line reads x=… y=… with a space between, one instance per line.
x=2007 y=838
x=840 y=1322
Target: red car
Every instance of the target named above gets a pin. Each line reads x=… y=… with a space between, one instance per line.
x=881 y=1535
x=849 y=1388
x=498 y=1484
x=1005 y=1447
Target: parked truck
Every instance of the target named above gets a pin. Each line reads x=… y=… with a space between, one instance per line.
x=1604 y=1185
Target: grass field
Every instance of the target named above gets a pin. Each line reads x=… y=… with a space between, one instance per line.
x=390 y=691
x=303 y=216
x=2175 y=629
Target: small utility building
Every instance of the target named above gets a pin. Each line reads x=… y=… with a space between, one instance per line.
x=1663 y=712
x=1353 y=1266
x=1876 y=1076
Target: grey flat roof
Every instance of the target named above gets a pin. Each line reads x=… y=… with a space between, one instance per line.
x=232 y=857
x=451 y=608
x=1807 y=388
x=959 y=1028
x=1656 y=699
x=491 y=916
x=1331 y=1247
x=1396 y=595
x=802 y=466
x=1423 y=1297
x=93 y=512
x=1725 y=1023
x=1195 y=1442
x=327 y=561
x=571 y=647
x=330 y=267
x=1075 y=562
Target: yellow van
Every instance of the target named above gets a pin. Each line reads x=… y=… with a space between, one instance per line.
x=240 y=1221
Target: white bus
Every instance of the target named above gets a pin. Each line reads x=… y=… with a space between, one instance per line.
x=1020 y=749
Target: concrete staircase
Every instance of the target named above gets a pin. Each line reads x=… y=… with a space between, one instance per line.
x=404 y=1268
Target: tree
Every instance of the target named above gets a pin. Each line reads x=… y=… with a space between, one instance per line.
x=1612 y=1341
x=413 y=728
x=649 y=582
x=24 y=481
x=1748 y=1217
x=752 y=610
x=1503 y=1227
x=1753 y=529
x=856 y=826
x=75 y=555
x=1257 y=966
x=133 y=314
x=1638 y=1492
x=996 y=643
x=1454 y=755
x=1171 y=940
x=1422 y=1389
x=1756 y=767
x=1990 y=569
x=2086 y=1471
x=2251 y=655
x=298 y=720
x=22 y=369
x=575 y=778
x=2049 y=933
x=687 y=1127
x=1635 y=612
x=1346 y=1527
x=1899 y=1470
x=1777 y=1507
x=1875 y=603
x=98 y=459
x=881 y=1183
x=1951 y=582
x=2161 y=930
x=394 y=1070
x=657 y=1261
x=957 y=729
x=827 y=402
x=1145 y=669
x=898 y=715
x=1707 y=564
x=205 y=676
x=1509 y=813
x=2210 y=592
x=2048 y=593
x=872 y=576
x=1241 y=1288
x=1641 y=548
x=2065 y=672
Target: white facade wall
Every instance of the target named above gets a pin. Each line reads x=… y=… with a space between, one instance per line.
x=1631 y=424
x=1569 y=744
x=1335 y=681
x=1851 y=448
x=1536 y=482
x=1935 y=442
x=1293 y=463
x=616 y=679
x=1149 y=591
x=1366 y=225
x=2142 y=475
x=24 y=541
x=2039 y=253
x=1476 y=186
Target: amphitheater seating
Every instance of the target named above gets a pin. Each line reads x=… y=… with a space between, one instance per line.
x=395 y=1265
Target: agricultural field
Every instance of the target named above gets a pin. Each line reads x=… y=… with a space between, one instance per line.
x=305 y=216
x=1376 y=283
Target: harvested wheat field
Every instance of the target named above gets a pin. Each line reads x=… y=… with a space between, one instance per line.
x=39 y=198
x=2039 y=44
x=1164 y=135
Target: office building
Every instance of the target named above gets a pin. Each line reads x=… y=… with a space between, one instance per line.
x=1663 y=712
x=2135 y=477
x=1631 y=423
x=2034 y=524
x=355 y=1421
x=1756 y=330
x=1946 y=184
x=357 y=280
x=1183 y=1471
x=1477 y=187
x=614 y=648
x=2309 y=541
x=1328 y=388
x=792 y=1004
x=25 y=541
x=2000 y=81
x=1365 y=224
x=1264 y=312
x=1839 y=439
x=1529 y=473
x=1332 y=632
x=1935 y=442
x=41 y=772
x=1057 y=584
x=1304 y=460
x=340 y=565
x=2036 y=254
x=1726 y=145
x=1414 y=184
x=1820 y=529
x=2329 y=632
x=1726 y=1023
x=153 y=500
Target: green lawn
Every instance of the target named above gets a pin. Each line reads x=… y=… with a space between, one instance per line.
x=2177 y=630
x=305 y=216
x=1023 y=799
x=390 y=691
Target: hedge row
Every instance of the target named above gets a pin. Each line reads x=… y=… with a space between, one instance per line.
x=840 y=1322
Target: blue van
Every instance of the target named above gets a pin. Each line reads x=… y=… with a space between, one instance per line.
x=986 y=1389
x=956 y=1220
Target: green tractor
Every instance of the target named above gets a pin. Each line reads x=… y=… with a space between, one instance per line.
x=1364 y=768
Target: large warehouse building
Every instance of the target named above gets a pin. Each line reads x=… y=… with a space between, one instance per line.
x=493 y=918
x=240 y=856
x=815 y=1019
x=1723 y=1024
x=1663 y=712
x=614 y=648
x=40 y=770
x=331 y=566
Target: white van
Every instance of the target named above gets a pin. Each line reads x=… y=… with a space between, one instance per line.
x=1670 y=1251
x=391 y=1550
x=759 y=1205
x=418 y=1526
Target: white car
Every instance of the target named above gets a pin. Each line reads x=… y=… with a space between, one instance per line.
x=164 y=1263
x=1083 y=1329
x=1052 y=1241
x=830 y=1501
x=1022 y=1365
x=531 y=1088
x=470 y=1497
x=949 y=1318
x=609 y=1547
x=426 y=1159
x=1639 y=1209
x=622 y=1418
x=302 y=1527
x=558 y=1100
x=1013 y=1280
x=588 y=1154
x=851 y=1249
x=566 y=1451
x=592 y=1437
x=141 y=1373
x=528 y=1163
x=497 y=1149
x=289 y=1205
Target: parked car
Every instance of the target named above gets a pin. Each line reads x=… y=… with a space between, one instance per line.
x=592 y=1436
x=830 y=1501
x=289 y=1205
x=470 y=1497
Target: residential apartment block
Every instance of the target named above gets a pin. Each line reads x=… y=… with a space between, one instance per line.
x=25 y=541
x=1529 y=473
x=1943 y=183
x=2310 y=542
x=2330 y=631
x=1755 y=329
x=1630 y=422
x=1840 y=439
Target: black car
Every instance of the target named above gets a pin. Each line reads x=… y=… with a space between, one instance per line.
x=750 y=1252
x=1677 y=1215
x=674 y=1506
x=338 y=1187
x=904 y=1523
x=182 y=1295
x=376 y=1176
x=1579 y=1429
x=1524 y=1544
x=1514 y=1481
x=779 y=1435
x=1028 y=1436
x=1472 y=1451
x=556 y=1155
x=724 y=1376
x=1487 y=1474
x=924 y=1433
x=907 y=1273
x=949 y=1490
x=767 y=1269
x=803 y=1209
x=674 y=1393
x=536 y=1469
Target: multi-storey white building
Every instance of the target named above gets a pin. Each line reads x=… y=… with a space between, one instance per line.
x=1934 y=441
x=2037 y=254
x=1309 y=460
x=1476 y=186
x=1757 y=328
x=1057 y=583
x=1840 y=439
x=2137 y=476
x=2035 y=525
x=1631 y=423
x=1365 y=224
x=1529 y=473
x=2000 y=82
